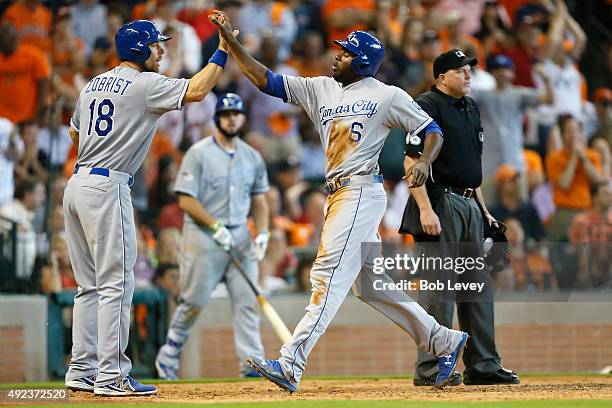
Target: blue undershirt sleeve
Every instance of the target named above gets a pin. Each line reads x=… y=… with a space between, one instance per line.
x=275 y=86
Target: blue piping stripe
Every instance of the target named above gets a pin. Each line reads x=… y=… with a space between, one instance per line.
x=329 y=287
x=122 y=283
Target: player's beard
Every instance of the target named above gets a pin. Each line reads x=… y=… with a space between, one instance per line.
x=150 y=66
x=230 y=135
x=146 y=68
x=344 y=77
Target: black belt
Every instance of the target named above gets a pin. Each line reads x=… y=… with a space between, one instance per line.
x=463 y=192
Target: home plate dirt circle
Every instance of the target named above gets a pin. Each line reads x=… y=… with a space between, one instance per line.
x=532 y=388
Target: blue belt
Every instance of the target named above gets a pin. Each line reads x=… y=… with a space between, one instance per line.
x=339 y=182
x=101 y=171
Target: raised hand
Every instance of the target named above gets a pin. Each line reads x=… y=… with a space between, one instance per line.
x=219 y=18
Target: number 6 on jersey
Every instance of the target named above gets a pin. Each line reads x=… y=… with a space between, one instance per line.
x=356 y=135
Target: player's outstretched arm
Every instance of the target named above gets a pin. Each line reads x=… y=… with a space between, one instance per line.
x=255 y=71
x=205 y=80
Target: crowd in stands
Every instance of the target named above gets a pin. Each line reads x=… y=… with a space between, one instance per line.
x=543 y=83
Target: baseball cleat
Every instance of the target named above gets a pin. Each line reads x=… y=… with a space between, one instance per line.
x=165 y=372
x=82 y=384
x=447 y=364
x=252 y=374
x=453 y=381
x=125 y=387
x=271 y=370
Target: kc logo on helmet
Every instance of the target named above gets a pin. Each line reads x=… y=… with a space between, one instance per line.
x=353 y=40
x=460 y=54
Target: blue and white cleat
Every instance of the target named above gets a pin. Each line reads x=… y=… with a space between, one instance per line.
x=252 y=374
x=125 y=387
x=447 y=364
x=82 y=384
x=165 y=372
x=271 y=370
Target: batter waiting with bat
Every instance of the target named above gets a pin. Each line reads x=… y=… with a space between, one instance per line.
x=221 y=178
x=353 y=113
x=113 y=125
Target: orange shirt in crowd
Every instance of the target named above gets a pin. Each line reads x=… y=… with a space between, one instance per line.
x=578 y=196
x=68 y=280
x=144 y=10
x=62 y=59
x=19 y=76
x=533 y=161
x=331 y=6
x=591 y=227
x=33 y=25
x=70 y=162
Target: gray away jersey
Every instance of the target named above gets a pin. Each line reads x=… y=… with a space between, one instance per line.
x=116 y=116
x=353 y=121
x=222 y=182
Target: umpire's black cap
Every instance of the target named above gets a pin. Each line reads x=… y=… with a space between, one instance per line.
x=452 y=59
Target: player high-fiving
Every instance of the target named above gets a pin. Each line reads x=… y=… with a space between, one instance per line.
x=113 y=125
x=353 y=113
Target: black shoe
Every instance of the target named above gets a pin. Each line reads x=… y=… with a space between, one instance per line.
x=453 y=381
x=502 y=376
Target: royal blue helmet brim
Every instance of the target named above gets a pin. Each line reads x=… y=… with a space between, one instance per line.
x=348 y=46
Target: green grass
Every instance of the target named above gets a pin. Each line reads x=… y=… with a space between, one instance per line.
x=368 y=404
x=297 y=403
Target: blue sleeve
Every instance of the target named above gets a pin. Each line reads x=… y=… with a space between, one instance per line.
x=416 y=143
x=433 y=127
x=275 y=86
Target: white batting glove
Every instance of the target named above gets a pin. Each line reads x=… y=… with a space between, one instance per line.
x=261 y=244
x=222 y=236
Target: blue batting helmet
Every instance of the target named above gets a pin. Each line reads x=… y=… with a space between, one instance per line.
x=229 y=102
x=132 y=40
x=369 y=52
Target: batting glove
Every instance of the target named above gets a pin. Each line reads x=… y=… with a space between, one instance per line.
x=261 y=244
x=222 y=236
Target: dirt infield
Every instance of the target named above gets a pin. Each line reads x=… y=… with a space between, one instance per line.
x=532 y=388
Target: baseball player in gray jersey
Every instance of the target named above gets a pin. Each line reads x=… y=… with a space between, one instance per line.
x=221 y=178
x=353 y=113
x=113 y=124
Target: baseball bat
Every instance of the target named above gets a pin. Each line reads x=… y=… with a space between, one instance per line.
x=275 y=320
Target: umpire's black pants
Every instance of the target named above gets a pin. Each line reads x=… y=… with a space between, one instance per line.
x=461 y=236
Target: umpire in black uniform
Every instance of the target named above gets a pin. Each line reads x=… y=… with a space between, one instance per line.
x=449 y=214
